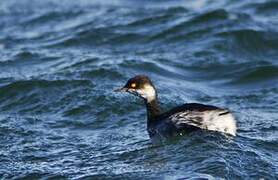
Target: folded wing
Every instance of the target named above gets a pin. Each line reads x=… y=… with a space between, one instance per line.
x=204 y=117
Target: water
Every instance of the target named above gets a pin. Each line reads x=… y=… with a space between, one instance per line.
x=60 y=61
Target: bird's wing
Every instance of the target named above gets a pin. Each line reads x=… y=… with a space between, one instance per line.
x=186 y=118
x=197 y=115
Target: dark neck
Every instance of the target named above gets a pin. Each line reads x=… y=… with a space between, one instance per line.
x=153 y=109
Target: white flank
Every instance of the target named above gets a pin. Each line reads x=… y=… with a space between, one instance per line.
x=210 y=120
x=222 y=123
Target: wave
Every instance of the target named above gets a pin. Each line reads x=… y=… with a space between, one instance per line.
x=34 y=95
x=27 y=84
x=146 y=28
x=255 y=40
x=256 y=75
x=268 y=7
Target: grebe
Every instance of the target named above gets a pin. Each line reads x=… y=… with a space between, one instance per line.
x=185 y=118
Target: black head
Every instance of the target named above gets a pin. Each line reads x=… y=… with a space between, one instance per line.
x=141 y=86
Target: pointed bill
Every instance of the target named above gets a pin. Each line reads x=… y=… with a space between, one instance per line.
x=123 y=89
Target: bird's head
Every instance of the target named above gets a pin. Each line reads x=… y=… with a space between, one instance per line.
x=141 y=86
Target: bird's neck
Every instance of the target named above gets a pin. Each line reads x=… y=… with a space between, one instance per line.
x=153 y=109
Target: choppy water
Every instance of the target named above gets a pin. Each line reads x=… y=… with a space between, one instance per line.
x=60 y=61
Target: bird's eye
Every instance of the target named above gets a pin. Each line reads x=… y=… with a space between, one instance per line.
x=133 y=85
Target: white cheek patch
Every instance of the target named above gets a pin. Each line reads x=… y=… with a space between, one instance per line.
x=148 y=92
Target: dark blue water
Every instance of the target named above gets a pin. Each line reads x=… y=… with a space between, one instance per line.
x=60 y=61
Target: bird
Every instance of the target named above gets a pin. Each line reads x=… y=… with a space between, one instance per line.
x=181 y=119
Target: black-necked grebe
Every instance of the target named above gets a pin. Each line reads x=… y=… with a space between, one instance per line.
x=184 y=118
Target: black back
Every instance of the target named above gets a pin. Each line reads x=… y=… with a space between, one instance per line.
x=188 y=107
